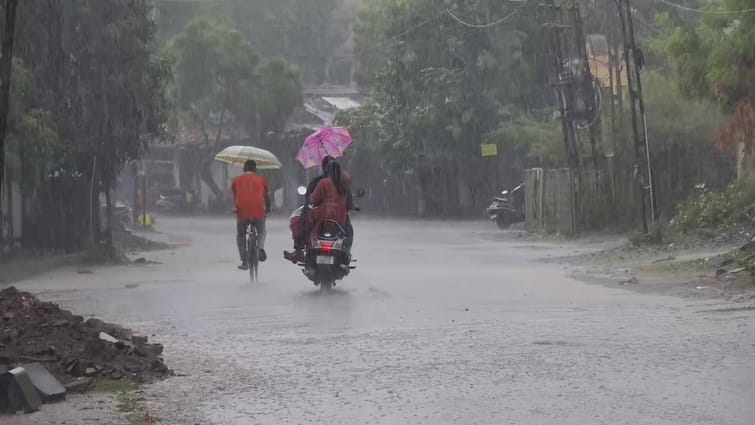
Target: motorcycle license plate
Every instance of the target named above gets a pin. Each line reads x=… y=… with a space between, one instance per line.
x=325 y=259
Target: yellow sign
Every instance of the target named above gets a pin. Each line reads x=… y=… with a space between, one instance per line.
x=489 y=149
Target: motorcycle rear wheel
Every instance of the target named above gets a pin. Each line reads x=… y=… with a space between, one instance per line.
x=502 y=221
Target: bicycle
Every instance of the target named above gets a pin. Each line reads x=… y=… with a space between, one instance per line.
x=252 y=251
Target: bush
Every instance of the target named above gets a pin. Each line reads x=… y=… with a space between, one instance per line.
x=748 y=265
x=654 y=236
x=708 y=211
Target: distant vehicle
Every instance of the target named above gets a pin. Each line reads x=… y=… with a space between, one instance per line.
x=176 y=200
x=507 y=208
x=123 y=216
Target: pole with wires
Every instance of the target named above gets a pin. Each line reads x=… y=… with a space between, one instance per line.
x=561 y=78
x=634 y=62
x=563 y=81
x=588 y=89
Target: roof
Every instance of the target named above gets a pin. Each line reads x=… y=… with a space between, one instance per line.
x=343 y=103
x=321 y=111
x=332 y=90
x=195 y=137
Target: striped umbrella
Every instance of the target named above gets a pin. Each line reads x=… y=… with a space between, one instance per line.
x=238 y=155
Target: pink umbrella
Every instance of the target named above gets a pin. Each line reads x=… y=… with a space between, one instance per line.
x=331 y=141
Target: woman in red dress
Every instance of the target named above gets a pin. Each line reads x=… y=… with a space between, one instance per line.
x=330 y=197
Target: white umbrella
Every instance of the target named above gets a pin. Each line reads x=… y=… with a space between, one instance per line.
x=238 y=155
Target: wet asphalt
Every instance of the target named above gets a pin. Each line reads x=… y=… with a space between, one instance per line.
x=442 y=323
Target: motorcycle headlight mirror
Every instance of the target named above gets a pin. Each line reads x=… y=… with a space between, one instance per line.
x=301 y=190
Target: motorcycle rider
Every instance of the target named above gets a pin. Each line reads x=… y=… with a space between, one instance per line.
x=251 y=195
x=298 y=220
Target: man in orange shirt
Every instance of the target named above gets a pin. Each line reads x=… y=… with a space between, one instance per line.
x=251 y=195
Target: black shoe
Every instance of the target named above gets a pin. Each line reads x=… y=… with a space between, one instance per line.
x=289 y=256
x=262 y=255
x=244 y=266
x=292 y=256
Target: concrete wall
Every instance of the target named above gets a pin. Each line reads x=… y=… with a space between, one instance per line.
x=549 y=202
x=560 y=201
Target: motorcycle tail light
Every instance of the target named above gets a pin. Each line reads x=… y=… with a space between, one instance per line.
x=326 y=247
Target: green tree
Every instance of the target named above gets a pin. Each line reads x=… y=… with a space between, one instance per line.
x=306 y=33
x=98 y=74
x=9 y=14
x=214 y=68
x=303 y=32
x=223 y=85
x=676 y=119
x=31 y=139
x=123 y=76
x=714 y=60
x=440 y=88
x=279 y=92
x=32 y=135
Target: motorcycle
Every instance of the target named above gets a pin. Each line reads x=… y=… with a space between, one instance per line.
x=173 y=201
x=507 y=208
x=327 y=258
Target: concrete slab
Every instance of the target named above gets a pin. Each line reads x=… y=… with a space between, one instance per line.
x=17 y=393
x=49 y=388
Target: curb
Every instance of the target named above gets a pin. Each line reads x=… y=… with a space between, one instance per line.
x=21 y=269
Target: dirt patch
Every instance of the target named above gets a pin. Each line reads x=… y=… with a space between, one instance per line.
x=91 y=408
x=127 y=248
x=74 y=350
x=15 y=269
x=129 y=242
x=687 y=270
x=689 y=266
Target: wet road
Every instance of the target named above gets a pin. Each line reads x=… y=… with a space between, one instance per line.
x=441 y=324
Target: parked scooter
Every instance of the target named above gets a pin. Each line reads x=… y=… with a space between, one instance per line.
x=174 y=201
x=507 y=208
x=123 y=216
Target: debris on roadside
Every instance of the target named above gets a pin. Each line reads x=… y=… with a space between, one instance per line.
x=664 y=259
x=72 y=349
x=17 y=393
x=79 y=385
x=50 y=389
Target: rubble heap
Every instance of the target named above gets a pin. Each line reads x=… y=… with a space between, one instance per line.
x=69 y=346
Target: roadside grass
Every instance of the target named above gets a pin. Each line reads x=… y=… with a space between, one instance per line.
x=114 y=386
x=129 y=400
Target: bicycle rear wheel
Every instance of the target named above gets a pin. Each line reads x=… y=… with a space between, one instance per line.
x=252 y=252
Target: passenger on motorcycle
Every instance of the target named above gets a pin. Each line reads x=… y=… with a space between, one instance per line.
x=332 y=198
x=298 y=219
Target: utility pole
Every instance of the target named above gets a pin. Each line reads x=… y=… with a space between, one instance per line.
x=577 y=94
x=611 y=78
x=562 y=79
x=587 y=88
x=633 y=61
